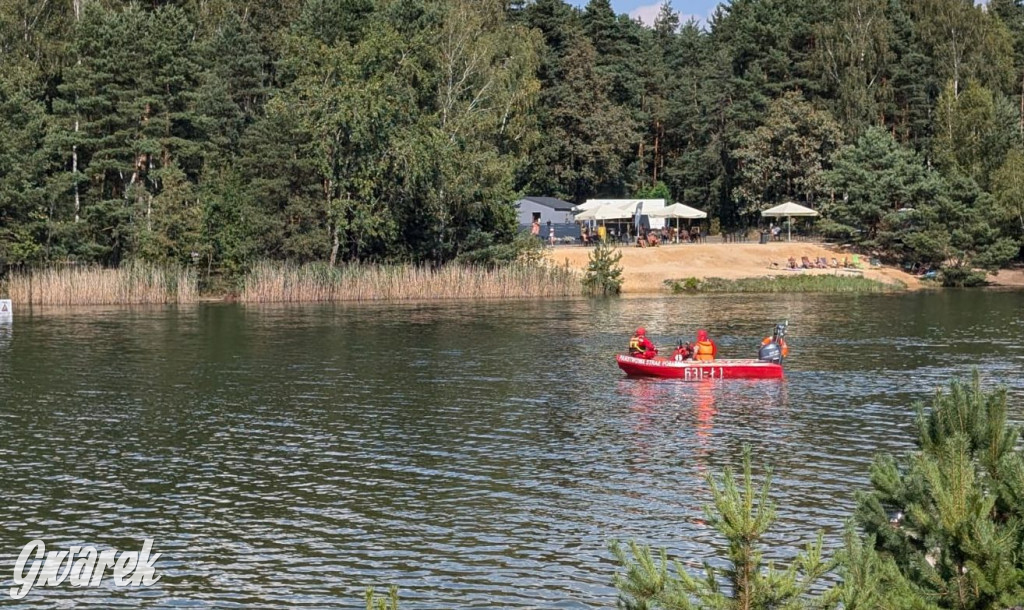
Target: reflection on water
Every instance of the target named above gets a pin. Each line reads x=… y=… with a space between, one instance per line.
x=475 y=454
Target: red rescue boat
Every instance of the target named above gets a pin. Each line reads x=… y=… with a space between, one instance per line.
x=694 y=370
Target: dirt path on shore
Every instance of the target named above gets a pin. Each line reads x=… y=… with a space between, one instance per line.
x=645 y=270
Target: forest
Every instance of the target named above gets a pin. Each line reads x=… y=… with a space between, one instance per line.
x=218 y=134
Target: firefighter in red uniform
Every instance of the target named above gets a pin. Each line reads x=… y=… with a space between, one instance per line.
x=684 y=351
x=640 y=346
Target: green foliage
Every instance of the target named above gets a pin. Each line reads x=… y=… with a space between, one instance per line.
x=888 y=201
x=973 y=131
x=784 y=284
x=872 y=581
x=742 y=513
x=480 y=249
x=1008 y=189
x=878 y=184
x=383 y=131
x=854 y=54
x=373 y=602
x=959 y=229
x=950 y=518
x=787 y=156
x=604 y=274
x=658 y=190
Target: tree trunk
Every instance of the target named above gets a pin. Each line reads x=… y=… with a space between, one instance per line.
x=77 y=4
x=654 y=164
x=74 y=173
x=335 y=243
x=333 y=223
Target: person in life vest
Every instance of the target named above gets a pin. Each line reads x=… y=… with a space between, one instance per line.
x=705 y=348
x=684 y=351
x=777 y=337
x=640 y=346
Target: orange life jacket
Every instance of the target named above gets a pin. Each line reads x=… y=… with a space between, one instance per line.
x=705 y=351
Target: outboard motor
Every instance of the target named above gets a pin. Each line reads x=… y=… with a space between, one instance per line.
x=770 y=352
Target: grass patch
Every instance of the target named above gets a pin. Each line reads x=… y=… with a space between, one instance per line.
x=795 y=283
x=278 y=283
x=130 y=284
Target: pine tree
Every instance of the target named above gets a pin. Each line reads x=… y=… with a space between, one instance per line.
x=951 y=519
x=742 y=513
x=604 y=274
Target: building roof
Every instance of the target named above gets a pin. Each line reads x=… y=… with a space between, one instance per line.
x=551 y=202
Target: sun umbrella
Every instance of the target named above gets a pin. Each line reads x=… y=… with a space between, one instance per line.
x=789 y=209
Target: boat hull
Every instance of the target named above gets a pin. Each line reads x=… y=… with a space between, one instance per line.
x=692 y=370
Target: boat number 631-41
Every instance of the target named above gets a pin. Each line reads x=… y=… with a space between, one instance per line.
x=704 y=372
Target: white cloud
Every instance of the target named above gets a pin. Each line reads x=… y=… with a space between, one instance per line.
x=647 y=14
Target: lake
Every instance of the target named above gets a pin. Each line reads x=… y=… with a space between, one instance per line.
x=474 y=454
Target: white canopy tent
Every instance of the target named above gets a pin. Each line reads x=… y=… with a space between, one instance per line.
x=647 y=207
x=678 y=210
x=789 y=209
x=605 y=212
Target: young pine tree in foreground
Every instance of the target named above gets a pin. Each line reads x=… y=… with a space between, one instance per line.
x=951 y=520
x=390 y=602
x=604 y=274
x=945 y=530
x=742 y=514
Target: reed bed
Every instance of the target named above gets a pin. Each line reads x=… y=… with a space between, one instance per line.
x=131 y=284
x=772 y=284
x=278 y=283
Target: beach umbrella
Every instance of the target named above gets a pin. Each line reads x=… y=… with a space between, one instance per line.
x=789 y=209
x=677 y=210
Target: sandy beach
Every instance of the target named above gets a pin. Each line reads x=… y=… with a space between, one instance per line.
x=644 y=270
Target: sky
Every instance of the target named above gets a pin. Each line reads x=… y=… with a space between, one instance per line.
x=647 y=10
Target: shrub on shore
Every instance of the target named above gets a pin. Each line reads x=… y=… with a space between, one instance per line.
x=134 y=283
x=604 y=273
x=770 y=284
x=276 y=283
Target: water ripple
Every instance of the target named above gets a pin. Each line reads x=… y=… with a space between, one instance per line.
x=477 y=455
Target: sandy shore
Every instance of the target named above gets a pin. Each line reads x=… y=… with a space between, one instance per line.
x=645 y=270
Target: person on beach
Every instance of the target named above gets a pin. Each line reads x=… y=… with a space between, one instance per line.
x=705 y=348
x=640 y=346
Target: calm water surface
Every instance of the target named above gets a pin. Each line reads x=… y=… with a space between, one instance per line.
x=478 y=455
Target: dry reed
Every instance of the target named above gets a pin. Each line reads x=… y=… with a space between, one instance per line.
x=130 y=284
x=275 y=283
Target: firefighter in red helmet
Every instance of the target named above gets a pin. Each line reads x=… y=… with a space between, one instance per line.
x=640 y=346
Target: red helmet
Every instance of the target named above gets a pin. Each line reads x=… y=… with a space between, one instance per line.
x=702 y=335
x=641 y=331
